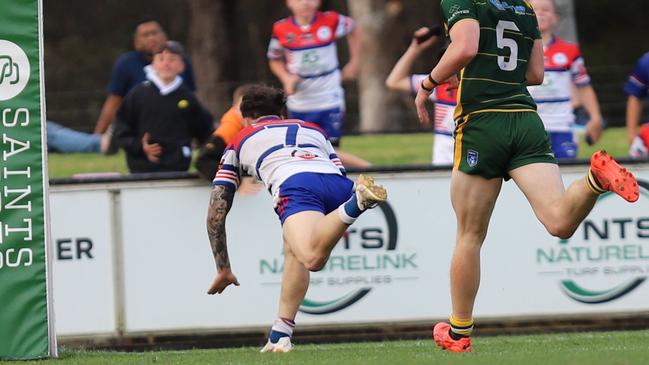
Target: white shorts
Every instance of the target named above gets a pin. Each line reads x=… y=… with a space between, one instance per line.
x=443 y=149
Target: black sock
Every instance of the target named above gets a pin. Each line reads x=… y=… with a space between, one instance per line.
x=454 y=335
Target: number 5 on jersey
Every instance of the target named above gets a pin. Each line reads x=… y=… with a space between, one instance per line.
x=507 y=63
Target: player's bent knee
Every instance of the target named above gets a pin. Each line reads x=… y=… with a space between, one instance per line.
x=315 y=263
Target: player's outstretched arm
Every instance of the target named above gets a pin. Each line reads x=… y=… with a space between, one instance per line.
x=398 y=79
x=220 y=203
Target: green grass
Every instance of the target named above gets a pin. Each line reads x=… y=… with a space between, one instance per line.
x=605 y=348
x=386 y=149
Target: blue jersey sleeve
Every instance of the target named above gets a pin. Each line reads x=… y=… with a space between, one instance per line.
x=229 y=171
x=638 y=83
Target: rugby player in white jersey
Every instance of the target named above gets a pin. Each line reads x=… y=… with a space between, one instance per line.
x=314 y=200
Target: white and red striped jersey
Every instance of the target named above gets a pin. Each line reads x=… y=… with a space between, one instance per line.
x=564 y=66
x=310 y=52
x=274 y=149
x=445 y=99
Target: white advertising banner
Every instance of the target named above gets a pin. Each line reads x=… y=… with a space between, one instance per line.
x=391 y=265
x=82 y=237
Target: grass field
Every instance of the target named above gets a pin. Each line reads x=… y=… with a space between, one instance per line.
x=605 y=348
x=386 y=149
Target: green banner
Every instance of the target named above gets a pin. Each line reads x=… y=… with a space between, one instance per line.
x=25 y=321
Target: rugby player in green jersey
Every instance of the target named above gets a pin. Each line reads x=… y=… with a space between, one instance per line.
x=496 y=48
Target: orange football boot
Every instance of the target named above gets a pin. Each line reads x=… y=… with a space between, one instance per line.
x=443 y=338
x=613 y=177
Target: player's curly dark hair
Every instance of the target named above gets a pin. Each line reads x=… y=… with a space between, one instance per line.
x=260 y=100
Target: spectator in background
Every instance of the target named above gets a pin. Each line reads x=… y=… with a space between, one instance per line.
x=444 y=96
x=636 y=89
x=129 y=69
x=564 y=67
x=302 y=54
x=159 y=117
x=207 y=161
x=231 y=123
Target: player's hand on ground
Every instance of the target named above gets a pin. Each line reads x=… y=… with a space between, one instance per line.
x=290 y=84
x=249 y=186
x=151 y=150
x=350 y=71
x=222 y=280
x=594 y=130
x=420 y=103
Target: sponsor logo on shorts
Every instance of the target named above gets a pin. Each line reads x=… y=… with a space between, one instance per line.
x=472 y=158
x=608 y=256
x=14 y=70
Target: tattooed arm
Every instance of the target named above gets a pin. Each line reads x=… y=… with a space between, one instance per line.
x=220 y=203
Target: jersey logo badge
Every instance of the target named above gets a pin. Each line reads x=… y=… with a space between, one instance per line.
x=290 y=38
x=324 y=33
x=472 y=158
x=303 y=155
x=560 y=59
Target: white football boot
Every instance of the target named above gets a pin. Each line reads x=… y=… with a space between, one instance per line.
x=368 y=194
x=283 y=345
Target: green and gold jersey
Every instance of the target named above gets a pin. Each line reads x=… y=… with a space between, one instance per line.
x=495 y=79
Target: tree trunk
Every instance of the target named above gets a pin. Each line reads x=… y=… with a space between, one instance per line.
x=208 y=41
x=567 y=27
x=372 y=20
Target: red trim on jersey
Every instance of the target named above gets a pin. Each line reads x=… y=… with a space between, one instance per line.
x=561 y=54
x=291 y=35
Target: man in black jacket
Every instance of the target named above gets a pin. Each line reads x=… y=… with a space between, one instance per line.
x=160 y=117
